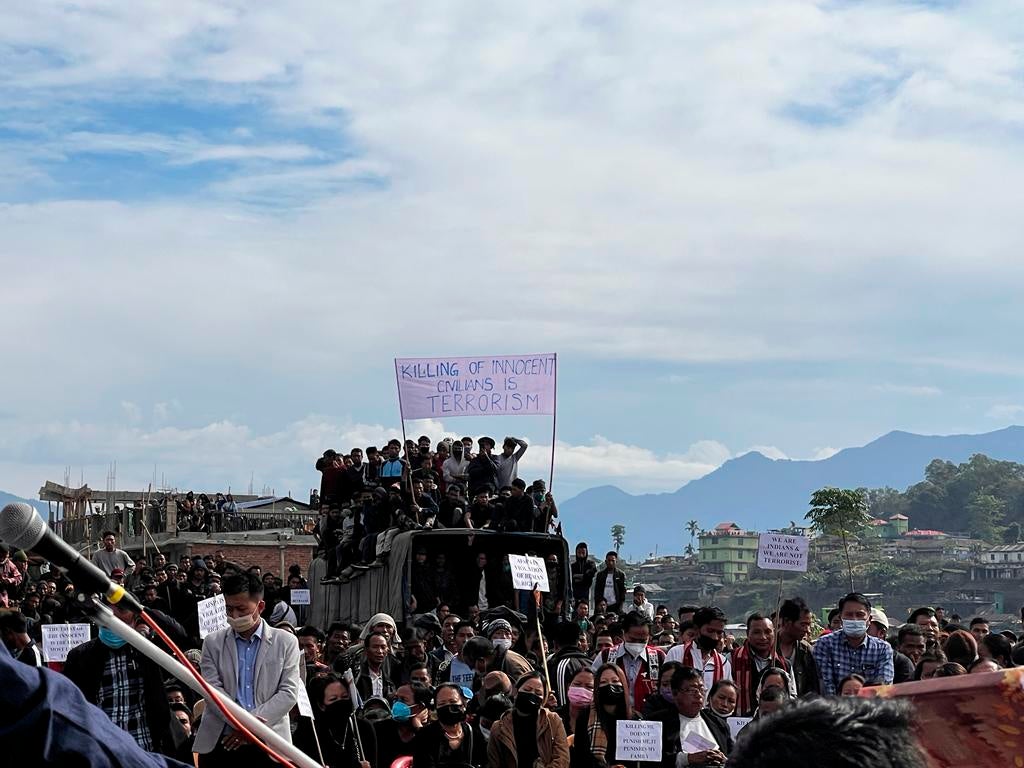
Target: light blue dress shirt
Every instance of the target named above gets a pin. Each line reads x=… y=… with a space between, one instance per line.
x=247 y=650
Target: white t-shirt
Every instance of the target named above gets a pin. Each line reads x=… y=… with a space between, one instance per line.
x=689 y=725
x=609 y=590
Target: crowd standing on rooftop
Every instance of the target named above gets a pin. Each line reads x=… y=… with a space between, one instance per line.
x=465 y=678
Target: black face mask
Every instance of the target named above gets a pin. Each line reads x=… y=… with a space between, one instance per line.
x=706 y=643
x=338 y=711
x=450 y=714
x=528 y=703
x=611 y=694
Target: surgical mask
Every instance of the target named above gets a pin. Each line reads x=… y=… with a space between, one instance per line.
x=667 y=695
x=504 y=643
x=580 y=696
x=243 y=623
x=401 y=712
x=634 y=649
x=855 y=627
x=110 y=638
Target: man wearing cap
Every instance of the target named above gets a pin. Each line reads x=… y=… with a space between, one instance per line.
x=110 y=557
x=482 y=470
x=878 y=625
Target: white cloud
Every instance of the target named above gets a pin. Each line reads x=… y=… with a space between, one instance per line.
x=909 y=389
x=819 y=454
x=1005 y=412
x=221 y=453
x=769 y=451
x=613 y=181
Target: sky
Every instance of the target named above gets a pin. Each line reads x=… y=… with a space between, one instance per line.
x=788 y=227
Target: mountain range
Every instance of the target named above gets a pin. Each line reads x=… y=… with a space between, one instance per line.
x=759 y=493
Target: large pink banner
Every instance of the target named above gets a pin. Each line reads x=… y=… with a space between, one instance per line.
x=437 y=387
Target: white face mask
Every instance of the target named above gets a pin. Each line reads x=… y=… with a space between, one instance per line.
x=505 y=643
x=243 y=623
x=634 y=649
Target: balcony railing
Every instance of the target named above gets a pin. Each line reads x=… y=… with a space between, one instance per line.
x=91 y=527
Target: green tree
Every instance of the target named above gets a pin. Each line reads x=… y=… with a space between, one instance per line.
x=693 y=528
x=839 y=512
x=1011 y=534
x=689 y=551
x=618 y=536
x=984 y=513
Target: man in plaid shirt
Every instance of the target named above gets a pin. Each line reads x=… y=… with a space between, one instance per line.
x=851 y=651
x=123 y=683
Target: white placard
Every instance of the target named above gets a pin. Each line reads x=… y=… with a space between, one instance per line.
x=528 y=571
x=779 y=552
x=638 y=741
x=694 y=742
x=300 y=597
x=305 y=708
x=213 y=615
x=737 y=724
x=58 y=639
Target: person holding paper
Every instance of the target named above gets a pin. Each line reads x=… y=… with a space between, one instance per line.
x=689 y=736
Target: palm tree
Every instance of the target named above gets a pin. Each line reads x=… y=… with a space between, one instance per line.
x=689 y=551
x=839 y=512
x=693 y=528
x=618 y=536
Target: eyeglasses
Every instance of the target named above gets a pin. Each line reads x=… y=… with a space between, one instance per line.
x=692 y=692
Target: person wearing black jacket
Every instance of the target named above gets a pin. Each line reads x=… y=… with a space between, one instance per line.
x=688 y=689
x=566 y=661
x=126 y=685
x=482 y=469
x=583 y=573
x=616 y=588
x=332 y=711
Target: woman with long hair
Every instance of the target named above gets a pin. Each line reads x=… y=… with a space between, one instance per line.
x=580 y=695
x=530 y=735
x=342 y=745
x=594 y=728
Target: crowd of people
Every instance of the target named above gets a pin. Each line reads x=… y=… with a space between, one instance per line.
x=368 y=497
x=489 y=681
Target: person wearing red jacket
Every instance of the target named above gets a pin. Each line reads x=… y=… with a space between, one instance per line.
x=640 y=662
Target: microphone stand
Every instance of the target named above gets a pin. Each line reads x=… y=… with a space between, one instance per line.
x=102 y=615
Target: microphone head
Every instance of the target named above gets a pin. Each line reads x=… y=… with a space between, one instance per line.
x=21 y=526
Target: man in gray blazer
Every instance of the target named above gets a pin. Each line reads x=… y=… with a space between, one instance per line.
x=254 y=664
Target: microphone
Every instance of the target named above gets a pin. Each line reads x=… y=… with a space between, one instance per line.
x=22 y=527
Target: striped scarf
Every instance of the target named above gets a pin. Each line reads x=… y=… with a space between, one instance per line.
x=598 y=739
x=743 y=676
